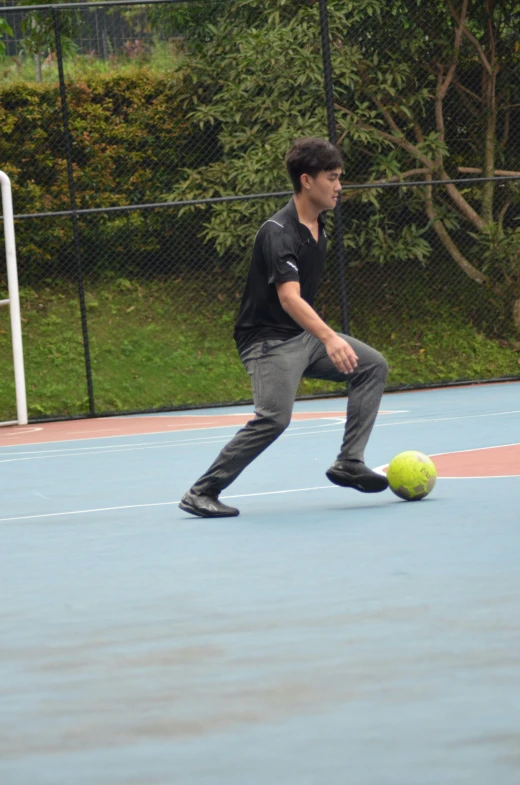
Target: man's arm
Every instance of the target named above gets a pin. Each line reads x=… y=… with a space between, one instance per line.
x=339 y=351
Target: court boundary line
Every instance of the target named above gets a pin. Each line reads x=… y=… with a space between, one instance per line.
x=85 y=451
x=333 y=425
x=75 y=452
x=250 y=495
x=380 y=469
x=161 y=504
x=334 y=418
x=478 y=449
x=444 y=419
x=111 y=447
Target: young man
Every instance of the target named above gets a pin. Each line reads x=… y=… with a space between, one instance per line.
x=281 y=338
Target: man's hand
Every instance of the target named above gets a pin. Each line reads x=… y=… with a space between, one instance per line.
x=341 y=353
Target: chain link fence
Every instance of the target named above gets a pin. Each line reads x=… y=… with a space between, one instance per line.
x=145 y=145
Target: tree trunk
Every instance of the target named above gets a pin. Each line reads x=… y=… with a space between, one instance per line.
x=471 y=271
x=489 y=83
x=489 y=149
x=516 y=315
x=38 y=65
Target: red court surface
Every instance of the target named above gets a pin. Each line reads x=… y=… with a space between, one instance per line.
x=496 y=461
x=105 y=427
x=500 y=461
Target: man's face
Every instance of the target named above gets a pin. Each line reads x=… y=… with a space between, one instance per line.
x=324 y=189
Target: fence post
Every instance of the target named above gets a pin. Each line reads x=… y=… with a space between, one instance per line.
x=72 y=196
x=14 y=300
x=331 y=123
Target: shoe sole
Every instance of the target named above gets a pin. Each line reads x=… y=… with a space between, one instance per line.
x=369 y=485
x=206 y=513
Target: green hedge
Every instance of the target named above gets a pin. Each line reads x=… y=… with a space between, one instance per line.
x=131 y=140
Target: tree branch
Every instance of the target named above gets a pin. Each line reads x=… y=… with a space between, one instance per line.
x=465 y=89
x=469 y=35
x=418 y=133
x=443 y=84
x=478 y=170
x=399 y=136
x=396 y=178
x=388 y=117
x=491 y=33
x=505 y=134
x=465 y=208
x=473 y=110
x=442 y=88
x=489 y=86
x=502 y=213
x=443 y=234
x=400 y=140
x=439 y=114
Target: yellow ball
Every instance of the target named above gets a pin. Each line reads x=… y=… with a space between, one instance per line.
x=411 y=475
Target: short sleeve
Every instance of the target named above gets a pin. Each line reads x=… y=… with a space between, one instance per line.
x=280 y=257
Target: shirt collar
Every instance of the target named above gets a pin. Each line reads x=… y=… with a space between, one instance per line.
x=293 y=214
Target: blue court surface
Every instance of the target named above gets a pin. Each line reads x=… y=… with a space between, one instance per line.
x=324 y=637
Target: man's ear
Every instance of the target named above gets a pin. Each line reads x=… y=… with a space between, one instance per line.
x=306 y=181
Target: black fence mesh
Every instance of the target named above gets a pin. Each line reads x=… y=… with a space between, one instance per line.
x=178 y=104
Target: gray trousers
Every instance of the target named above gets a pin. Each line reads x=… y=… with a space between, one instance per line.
x=275 y=368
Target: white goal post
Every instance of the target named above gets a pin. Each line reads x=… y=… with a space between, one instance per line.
x=13 y=302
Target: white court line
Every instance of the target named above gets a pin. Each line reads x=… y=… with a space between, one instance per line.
x=98 y=448
x=380 y=469
x=484 y=477
x=235 y=496
x=477 y=449
x=82 y=451
x=109 y=447
x=87 y=451
x=161 y=504
x=184 y=430
x=457 y=452
x=443 y=419
x=99 y=430
x=202 y=439
x=106 y=450
x=17 y=433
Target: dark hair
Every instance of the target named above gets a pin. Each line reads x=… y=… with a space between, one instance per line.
x=311 y=155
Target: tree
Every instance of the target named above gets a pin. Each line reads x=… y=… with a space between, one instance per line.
x=5 y=29
x=39 y=38
x=188 y=21
x=424 y=90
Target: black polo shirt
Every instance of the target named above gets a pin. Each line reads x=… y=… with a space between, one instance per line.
x=284 y=250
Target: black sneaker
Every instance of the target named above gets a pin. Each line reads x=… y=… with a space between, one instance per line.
x=354 y=474
x=206 y=506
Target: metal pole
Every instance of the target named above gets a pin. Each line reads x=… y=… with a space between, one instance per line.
x=14 y=300
x=75 y=228
x=331 y=123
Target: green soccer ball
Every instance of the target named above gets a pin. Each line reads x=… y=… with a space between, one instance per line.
x=411 y=475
